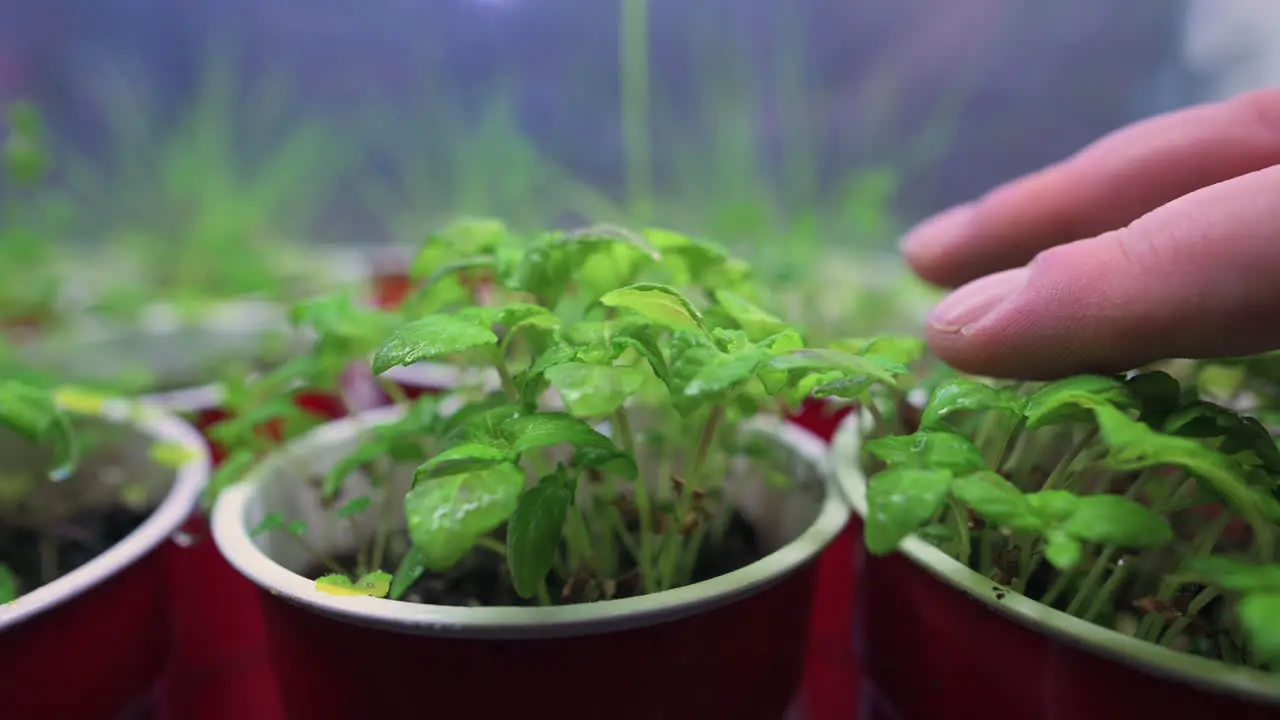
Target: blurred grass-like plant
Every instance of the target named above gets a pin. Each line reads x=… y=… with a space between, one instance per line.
x=218 y=204
x=33 y=221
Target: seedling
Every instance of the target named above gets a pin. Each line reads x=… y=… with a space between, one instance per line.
x=602 y=466
x=44 y=530
x=1127 y=501
x=30 y=219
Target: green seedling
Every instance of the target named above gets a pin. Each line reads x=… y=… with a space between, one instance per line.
x=1089 y=494
x=599 y=468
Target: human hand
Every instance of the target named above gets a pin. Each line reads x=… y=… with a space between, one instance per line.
x=1161 y=240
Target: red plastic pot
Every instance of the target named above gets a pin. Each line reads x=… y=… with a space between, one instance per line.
x=95 y=642
x=218 y=634
x=731 y=647
x=939 y=640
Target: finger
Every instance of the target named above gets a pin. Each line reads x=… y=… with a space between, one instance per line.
x=1105 y=186
x=1197 y=278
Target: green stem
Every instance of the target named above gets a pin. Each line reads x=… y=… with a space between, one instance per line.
x=1150 y=626
x=379 y=480
x=1104 y=561
x=1059 y=586
x=508 y=385
x=1204 y=597
x=623 y=425
x=492 y=545
x=645 y=508
x=544 y=597
x=634 y=50
x=393 y=391
x=1062 y=470
x=964 y=547
x=48 y=559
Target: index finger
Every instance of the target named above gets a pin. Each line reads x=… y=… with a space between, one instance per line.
x=1104 y=187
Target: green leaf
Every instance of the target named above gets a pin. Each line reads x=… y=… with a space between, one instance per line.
x=429 y=338
x=1054 y=506
x=899 y=349
x=757 y=323
x=616 y=462
x=1135 y=446
x=541 y=430
x=1063 y=551
x=595 y=390
x=374 y=584
x=1234 y=575
x=901 y=501
x=1117 y=520
x=930 y=450
x=10 y=588
x=659 y=304
x=961 y=395
x=407 y=574
x=1070 y=400
x=1259 y=616
x=353 y=507
x=817 y=359
x=997 y=500
x=725 y=372
x=533 y=533
x=270 y=523
x=1158 y=394
x=447 y=515
x=459 y=459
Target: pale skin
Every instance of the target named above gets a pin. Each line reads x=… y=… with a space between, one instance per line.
x=1161 y=240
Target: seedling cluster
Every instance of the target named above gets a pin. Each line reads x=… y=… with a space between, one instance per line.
x=601 y=464
x=1128 y=501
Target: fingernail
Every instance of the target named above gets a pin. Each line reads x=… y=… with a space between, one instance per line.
x=937 y=229
x=974 y=301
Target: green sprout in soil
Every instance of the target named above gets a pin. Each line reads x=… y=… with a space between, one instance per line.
x=1126 y=501
x=602 y=465
x=33 y=413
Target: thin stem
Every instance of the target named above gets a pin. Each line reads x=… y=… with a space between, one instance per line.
x=704 y=446
x=964 y=548
x=1107 y=592
x=1203 y=544
x=492 y=545
x=544 y=597
x=623 y=425
x=1060 y=584
x=508 y=385
x=393 y=391
x=1104 y=560
x=1060 y=472
x=1204 y=597
x=320 y=555
x=382 y=534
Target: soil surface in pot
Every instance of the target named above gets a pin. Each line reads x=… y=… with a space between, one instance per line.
x=40 y=556
x=482 y=579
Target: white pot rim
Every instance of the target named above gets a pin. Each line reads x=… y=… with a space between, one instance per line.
x=1210 y=675
x=230 y=532
x=177 y=506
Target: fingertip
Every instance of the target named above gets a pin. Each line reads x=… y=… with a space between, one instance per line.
x=929 y=247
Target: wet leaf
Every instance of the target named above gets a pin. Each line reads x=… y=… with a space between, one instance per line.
x=429 y=338
x=659 y=304
x=901 y=501
x=464 y=458
x=447 y=515
x=757 y=323
x=595 y=390
x=540 y=430
x=961 y=395
x=613 y=461
x=936 y=450
x=1070 y=400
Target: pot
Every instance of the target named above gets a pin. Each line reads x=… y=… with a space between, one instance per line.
x=677 y=654
x=934 y=636
x=106 y=620
x=219 y=641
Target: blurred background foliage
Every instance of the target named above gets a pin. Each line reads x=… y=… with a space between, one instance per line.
x=211 y=150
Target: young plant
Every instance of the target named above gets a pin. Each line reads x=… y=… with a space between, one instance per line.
x=30 y=220
x=49 y=480
x=1127 y=501
x=602 y=466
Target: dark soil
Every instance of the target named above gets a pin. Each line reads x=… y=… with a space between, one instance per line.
x=75 y=542
x=482 y=579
